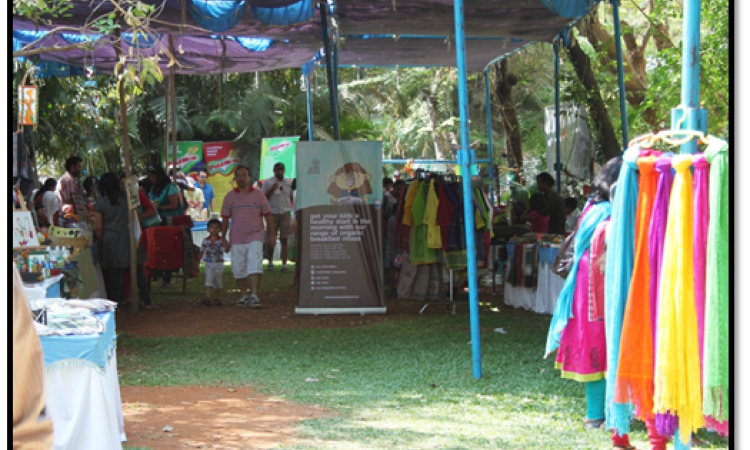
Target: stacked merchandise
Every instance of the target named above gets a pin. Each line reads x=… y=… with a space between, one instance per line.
x=529 y=280
x=430 y=236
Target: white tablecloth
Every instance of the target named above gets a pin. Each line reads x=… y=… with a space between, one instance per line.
x=541 y=300
x=85 y=407
x=83 y=398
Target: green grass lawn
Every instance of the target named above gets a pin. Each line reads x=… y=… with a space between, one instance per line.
x=402 y=384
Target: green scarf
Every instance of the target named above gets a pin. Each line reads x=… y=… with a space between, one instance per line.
x=716 y=340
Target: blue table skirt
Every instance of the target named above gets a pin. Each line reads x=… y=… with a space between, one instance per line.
x=92 y=350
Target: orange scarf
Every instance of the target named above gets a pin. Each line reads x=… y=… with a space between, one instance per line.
x=635 y=370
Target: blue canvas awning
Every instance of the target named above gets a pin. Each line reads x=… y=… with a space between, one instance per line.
x=273 y=34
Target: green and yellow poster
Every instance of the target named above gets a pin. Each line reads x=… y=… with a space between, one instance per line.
x=278 y=149
x=339 y=195
x=189 y=155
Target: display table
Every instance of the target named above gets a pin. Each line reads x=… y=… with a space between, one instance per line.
x=543 y=298
x=82 y=389
x=49 y=288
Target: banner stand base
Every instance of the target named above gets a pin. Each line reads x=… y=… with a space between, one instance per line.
x=360 y=311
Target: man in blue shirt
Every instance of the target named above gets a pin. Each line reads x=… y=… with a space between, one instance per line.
x=208 y=192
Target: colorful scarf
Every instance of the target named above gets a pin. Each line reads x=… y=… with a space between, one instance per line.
x=666 y=424
x=563 y=309
x=617 y=275
x=635 y=372
x=700 y=237
x=677 y=384
x=716 y=341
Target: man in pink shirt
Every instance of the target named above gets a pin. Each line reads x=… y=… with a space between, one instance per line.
x=67 y=184
x=247 y=207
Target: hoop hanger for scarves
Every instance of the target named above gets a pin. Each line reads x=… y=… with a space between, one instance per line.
x=648 y=140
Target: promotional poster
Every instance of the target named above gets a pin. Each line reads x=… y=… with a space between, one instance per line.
x=278 y=149
x=339 y=196
x=220 y=162
x=189 y=156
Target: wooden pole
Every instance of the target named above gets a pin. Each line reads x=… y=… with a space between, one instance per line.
x=173 y=99
x=131 y=212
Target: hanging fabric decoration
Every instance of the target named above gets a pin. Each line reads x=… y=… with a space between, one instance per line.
x=666 y=424
x=618 y=271
x=700 y=236
x=716 y=337
x=564 y=306
x=635 y=372
x=677 y=384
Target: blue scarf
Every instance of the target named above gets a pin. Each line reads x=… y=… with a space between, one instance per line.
x=619 y=270
x=564 y=308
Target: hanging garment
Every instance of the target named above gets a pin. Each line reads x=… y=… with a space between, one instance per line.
x=716 y=334
x=700 y=238
x=434 y=239
x=635 y=371
x=420 y=253
x=677 y=383
x=665 y=423
x=445 y=211
x=402 y=231
x=410 y=196
x=455 y=256
x=563 y=308
x=620 y=249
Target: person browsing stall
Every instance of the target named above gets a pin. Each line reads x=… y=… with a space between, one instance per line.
x=208 y=194
x=247 y=207
x=545 y=183
x=537 y=214
x=278 y=191
x=68 y=185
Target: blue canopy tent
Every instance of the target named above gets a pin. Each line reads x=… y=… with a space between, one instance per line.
x=220 y=36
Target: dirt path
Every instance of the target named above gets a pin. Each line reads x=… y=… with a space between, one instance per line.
x=208 y=418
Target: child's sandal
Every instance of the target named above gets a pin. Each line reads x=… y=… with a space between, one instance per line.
x=218 y=302
x=206 y=301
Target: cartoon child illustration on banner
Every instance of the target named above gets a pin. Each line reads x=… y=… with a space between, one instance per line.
x=350 y=185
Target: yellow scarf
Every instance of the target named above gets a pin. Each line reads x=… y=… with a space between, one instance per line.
x=677 y=382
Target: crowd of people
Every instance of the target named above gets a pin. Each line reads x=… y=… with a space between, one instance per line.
x=262 y=211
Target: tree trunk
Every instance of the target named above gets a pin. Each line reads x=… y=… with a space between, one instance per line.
x=428 y=97
x=508 y=116
x=605 y=132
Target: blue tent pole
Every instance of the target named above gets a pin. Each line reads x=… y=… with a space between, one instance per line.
x=691 y=47
x=620 y=73
x=558 y=166
x=488 y=109
x=465 y=159
x=327 y=49
x=309 y=107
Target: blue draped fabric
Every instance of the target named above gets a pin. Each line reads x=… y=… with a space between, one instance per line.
x=142 y=41
x=253 y=44
x=572 y=9
x=75 y=38
x=217 y=15
x=299 y=12
x=47 y=69
x=94 y=348
x=619 y=270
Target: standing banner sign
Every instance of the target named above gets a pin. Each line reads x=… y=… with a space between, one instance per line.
x=220 y=160
x=189 y=155
x=338 y=207
x=278 y=149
